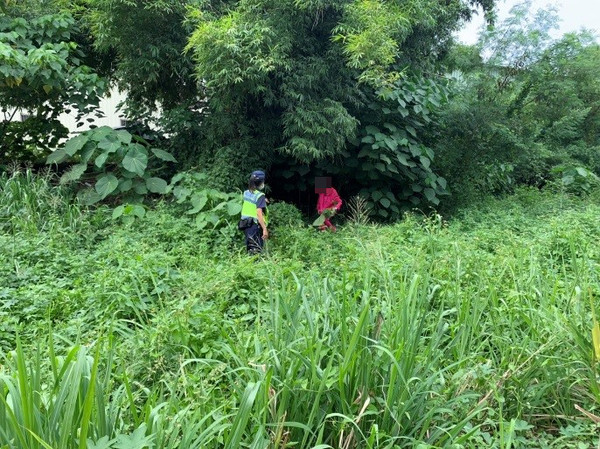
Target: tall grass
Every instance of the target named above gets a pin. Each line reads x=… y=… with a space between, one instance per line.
x=470 y=333
x=31 y=203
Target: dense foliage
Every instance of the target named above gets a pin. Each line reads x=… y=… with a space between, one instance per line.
x=355 y=89
x=141 y=323
x=117 y=163
x=525 y=109
x=470 y=333
x=42 y=75
x=282 y=84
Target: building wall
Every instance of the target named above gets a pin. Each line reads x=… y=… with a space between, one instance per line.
x=108 y=105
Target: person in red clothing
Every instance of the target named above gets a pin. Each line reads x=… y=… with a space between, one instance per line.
x=329 y=201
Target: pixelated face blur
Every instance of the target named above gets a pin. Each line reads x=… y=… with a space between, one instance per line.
x=321 y=184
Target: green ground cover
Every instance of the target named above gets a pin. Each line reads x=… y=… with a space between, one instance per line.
x=472 y=331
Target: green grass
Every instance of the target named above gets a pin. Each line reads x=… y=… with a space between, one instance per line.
x=469 y=332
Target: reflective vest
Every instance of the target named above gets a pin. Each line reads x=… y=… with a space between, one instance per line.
x=249 y=206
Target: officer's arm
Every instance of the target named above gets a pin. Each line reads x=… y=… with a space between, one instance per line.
x=261 y=222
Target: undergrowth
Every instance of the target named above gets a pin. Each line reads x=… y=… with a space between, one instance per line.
x=469 y=332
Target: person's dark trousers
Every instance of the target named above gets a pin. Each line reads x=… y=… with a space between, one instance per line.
x=254 y=240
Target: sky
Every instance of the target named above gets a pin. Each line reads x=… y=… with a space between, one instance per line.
x=574 y=14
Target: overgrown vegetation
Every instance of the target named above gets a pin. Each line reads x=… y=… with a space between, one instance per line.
x=524 y=109
x=141 y=323
x=42 y=75
x=428 y=333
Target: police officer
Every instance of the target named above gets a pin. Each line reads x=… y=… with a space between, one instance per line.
x=255 y=207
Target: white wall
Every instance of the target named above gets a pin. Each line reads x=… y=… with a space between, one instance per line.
x=108 y=105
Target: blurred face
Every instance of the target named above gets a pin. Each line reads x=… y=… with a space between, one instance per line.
x=321 y=184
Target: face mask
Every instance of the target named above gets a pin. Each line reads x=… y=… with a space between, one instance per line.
x=261 y=187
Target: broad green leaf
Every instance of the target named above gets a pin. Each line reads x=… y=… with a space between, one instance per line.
x=411 y=131
x=88 y=197
x=368 y=139
x=430 y=194
x=87 y=151
x=102 y=443
x=425 y=162
x=75 y=144
x=319 y=221
x=385 y=202
x=106 y=185
x=138 y=210
x=391 y=143
x=371 y=129
x=415 y=149
x=201 y=222
x=181 y=193
x=392 y=128
x=101 y=159
x=403 y=160
x=220 y=206
x=57 y=156
x=110 y=146
x=135 y=160
x=234 y=208
x=125 y=185
x=365 y=152
x=128 y=219
x=118 y=211
x=403 y=111
x=100 y=133
x=376 y=195
x=385 y=159
x=198 y=202
x=140 y=187
x=178 y=177
x=73 y=174
x=123 y=136
x=156 y=185
x=163 y=155
x=137 y=440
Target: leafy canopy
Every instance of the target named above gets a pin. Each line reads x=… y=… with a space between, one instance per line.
x=41 y=73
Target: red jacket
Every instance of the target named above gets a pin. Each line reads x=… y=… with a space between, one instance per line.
x=329 y=200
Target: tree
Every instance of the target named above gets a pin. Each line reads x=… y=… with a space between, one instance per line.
x=304 y=81
x=283 y=83
x=525 y=106
x=40 y=73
